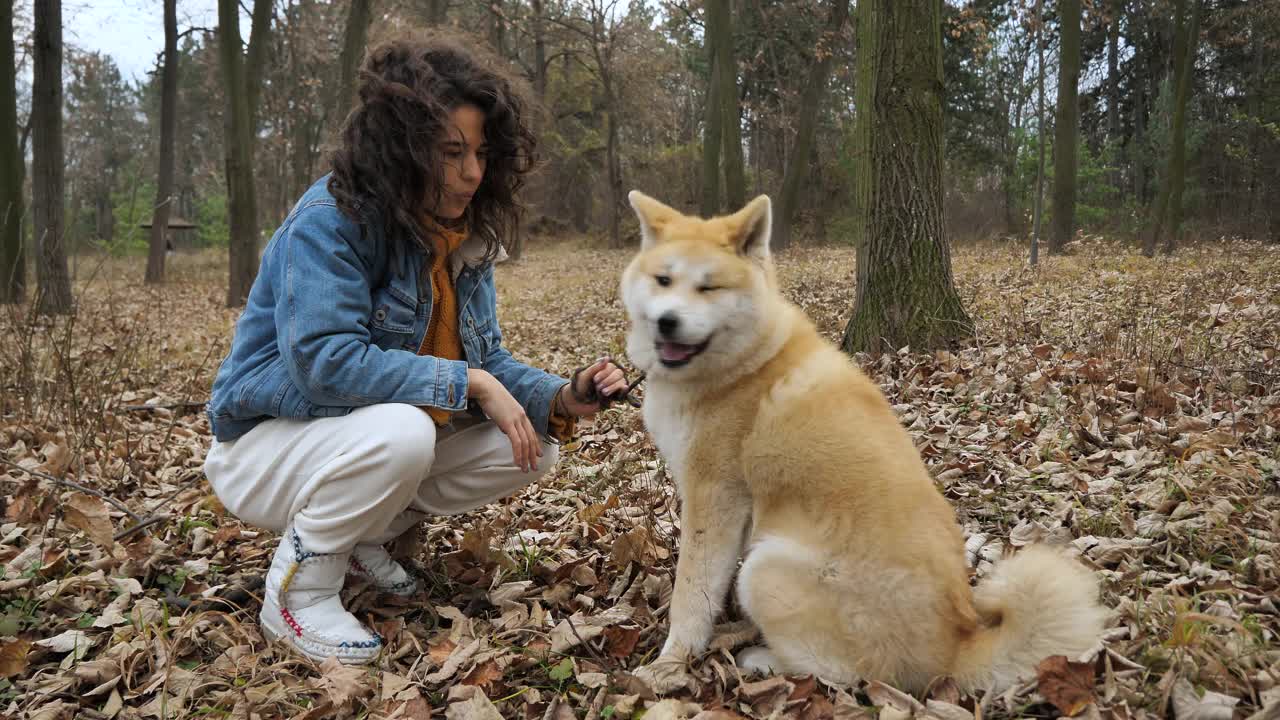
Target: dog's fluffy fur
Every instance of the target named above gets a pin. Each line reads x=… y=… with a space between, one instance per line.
x=784 y=450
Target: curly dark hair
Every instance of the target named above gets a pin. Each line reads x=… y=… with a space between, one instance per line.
x=387 y=162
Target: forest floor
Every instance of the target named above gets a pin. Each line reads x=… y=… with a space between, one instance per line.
x=1123 y=406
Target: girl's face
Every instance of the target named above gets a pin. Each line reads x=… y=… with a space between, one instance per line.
x=465 y=156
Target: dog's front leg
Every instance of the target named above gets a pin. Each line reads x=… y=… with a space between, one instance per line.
x=713 y=524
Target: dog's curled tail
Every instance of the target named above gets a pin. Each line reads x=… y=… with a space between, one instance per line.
x=1036 y=603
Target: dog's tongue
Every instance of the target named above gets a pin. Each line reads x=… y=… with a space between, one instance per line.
x=675 y=352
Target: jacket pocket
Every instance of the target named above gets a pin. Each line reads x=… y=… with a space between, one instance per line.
x=291 y=403
x=258 y=387
x=392 y=319
x=476 y=328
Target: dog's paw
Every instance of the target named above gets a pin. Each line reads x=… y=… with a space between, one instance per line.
x=758 y=659
x=665 y=675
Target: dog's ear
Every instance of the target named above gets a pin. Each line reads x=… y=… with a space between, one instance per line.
x=653 y=216
x=753 y=225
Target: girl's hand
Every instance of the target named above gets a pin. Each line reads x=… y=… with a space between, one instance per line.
x=509 y=415
x=605 y=378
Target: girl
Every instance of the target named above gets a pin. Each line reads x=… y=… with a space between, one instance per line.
x=367 y=385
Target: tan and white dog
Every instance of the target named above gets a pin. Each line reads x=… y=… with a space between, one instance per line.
x=785 y=452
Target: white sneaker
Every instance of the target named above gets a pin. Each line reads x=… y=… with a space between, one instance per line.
x=301 y=605
x=374 y=563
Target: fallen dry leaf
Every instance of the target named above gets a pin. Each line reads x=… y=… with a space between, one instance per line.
x=1191 y=705
x=467 y=702
x=77 y=642
x=57 y=458
x=672 y=709
x=343 y=683
x=483 y=675
x=88 y=513
x=13 y=656
x=620 y=642
x=1067 y=685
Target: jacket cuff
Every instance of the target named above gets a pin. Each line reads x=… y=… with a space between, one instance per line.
x=450 y=387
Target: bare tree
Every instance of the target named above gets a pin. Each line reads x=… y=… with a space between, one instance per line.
x=712 y=127
x=1116 y=11
x=538 y=26
x=242 y=81
x=13 y=265
x=1041 y=135
x=726 y=79
x=498 y=27
x=437 y=12
x=603 y=30
x=168 y=122
x=53 y=283
x=353 y=42
x=1066 y=128
x=1168 y=208
x=810 y=99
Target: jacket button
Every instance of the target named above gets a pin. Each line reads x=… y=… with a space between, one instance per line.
x=380 y=314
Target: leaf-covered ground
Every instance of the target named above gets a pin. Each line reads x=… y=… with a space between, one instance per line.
x=1127 y=407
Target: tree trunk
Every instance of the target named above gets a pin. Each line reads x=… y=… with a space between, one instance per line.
x=437 y=12
x=711 y=131
x=1178 y=159
x=539 y=50
x=13 y=264
x=353 y=42
x=1009 y=146
x=168 y=128
x=1066 y=126
x=614 y=174
x=53 y=285
x=905 y=294
x=1113 y=95
x=300 y=131
x=497 y=28
x=104 y=216
x=1169 y=199
x=810 y=101
x=1137 y=148
x=242 y=80
x=1040 y=136
x=735 y=183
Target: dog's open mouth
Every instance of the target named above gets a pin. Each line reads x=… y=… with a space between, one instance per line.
x=676 y=354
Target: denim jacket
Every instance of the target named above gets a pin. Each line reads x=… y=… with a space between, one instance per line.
x=330 y=325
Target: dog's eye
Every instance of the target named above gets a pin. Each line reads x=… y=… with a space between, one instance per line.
x=707 y=288
x=663 y=280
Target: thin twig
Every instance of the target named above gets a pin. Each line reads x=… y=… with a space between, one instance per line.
x=594 y=653
x=184 y=485
x=164 y=406
x=76 y=486
x=144 y=524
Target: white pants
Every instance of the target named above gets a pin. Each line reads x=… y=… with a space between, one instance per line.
x=365 y=477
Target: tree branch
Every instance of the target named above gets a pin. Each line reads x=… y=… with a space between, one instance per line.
x=75 y=486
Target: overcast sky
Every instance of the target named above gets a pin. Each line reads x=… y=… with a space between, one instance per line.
x=130 y=31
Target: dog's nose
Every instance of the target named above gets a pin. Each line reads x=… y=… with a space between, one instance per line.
x=668 y=323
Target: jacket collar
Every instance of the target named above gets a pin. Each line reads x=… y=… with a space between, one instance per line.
x=471 y=254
